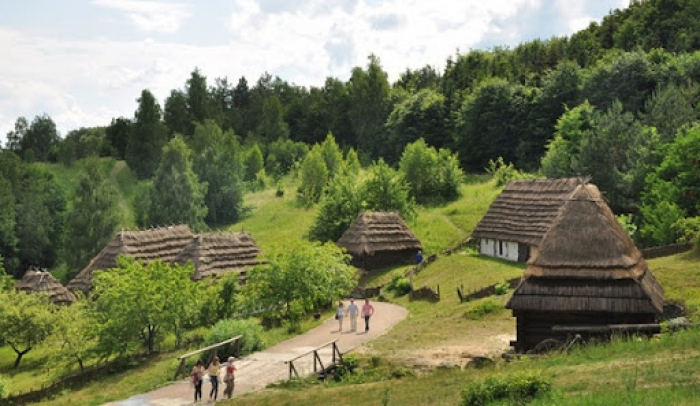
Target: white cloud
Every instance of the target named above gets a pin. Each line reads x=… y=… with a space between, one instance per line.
x=150 y=15
x=86 y=82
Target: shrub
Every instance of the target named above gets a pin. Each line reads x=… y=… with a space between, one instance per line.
x=280 y=190
x=251 y=341
x=504 y=173
x=517 y=389
x=348 y=367
x=482 y=309
x=502 y=288
x=399 y=284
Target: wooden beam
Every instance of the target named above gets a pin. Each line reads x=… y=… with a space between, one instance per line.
x=201 y=350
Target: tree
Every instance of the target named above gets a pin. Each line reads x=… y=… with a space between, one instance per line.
x=253 y=163
x=40 y=141
x=197 y=97
x=272 y=125
x=177 y=115
x=176 y=195
x=386 y=190
x=332 y=155
x=142 y=302
x=39 y=209
x=340 y=206
x=92 y=218
x=299 y=279
x=15 y=137
x=421 y=115
x=218 y=163
x=283 y=154
x=369 y=105
x=561 y=158
x=352 y=162
x=314 y=176
x=669 y=109
x=148 y=137
x=118 y=134
x=25 y=321
x=8 y=238
x=74 y=334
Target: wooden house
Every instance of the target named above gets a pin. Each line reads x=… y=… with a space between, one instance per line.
x=35 y=281
x=163 y=243
x=586 y=274
x=380 y=239
x=516 y=221
x=214 y=254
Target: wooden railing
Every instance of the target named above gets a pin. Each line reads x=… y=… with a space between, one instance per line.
x=337 y=359
x=183 y=358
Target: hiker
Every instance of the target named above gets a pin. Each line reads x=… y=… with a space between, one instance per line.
x=214 y=369
x=419 y=257
x=197 y=376
x=339 y=314
x=367 y=312
x=352 y=313
x=229 y=378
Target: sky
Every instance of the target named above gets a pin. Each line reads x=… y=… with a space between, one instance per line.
x=84 y=62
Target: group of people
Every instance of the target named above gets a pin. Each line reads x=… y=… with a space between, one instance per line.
x=352 y=312
x=214 y=371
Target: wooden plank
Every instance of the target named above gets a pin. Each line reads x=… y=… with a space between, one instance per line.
x=189 y=354
x=310 y=351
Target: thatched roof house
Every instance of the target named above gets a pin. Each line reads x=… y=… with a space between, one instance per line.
x=35 y=281
x=214 y=254
x=164 y=243
x=380 y=239
x=587 y=273
x=516 y=221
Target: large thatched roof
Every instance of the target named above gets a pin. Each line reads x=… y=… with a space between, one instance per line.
x=37 y=281
x=374 y=232
x=586 y=262
x=214 y=254
x=525 y=210
x=164 y=243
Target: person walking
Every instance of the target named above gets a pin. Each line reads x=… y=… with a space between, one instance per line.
x=419 y=257
x=352 y=313
x=367 y=312
x=229 y=378
x=214 y=369
x=197 y=376
x=339 y=315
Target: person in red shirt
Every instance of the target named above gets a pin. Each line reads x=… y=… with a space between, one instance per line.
x=229 y=378
x=367 y=312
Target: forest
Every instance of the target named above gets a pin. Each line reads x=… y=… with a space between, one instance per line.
x=616 y=102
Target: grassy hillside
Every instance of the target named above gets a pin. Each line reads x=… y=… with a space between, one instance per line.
x=126 y=184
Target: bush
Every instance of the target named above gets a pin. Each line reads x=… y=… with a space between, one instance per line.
x=399 y=284
x=504 y=173
x=348 y=367
x=280 y=190
x=517 y=389
x=251 y=341
x=502 y=288
x=433 y=175
x=482 y=309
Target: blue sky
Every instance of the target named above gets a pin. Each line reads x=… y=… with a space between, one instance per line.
x=84 y=62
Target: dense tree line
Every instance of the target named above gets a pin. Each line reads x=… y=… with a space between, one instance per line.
x=607 y=102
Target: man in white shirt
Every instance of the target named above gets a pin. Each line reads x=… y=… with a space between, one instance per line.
x=352 y=313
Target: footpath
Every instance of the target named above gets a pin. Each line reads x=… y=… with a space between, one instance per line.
x=257 y=370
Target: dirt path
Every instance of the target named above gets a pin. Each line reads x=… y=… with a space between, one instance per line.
x=257 y=370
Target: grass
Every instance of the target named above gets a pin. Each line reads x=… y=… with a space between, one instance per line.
x=656 y=372
x=138 y=377
x=274 y=221
x=679 y=275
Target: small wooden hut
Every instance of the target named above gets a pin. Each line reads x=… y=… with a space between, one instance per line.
x=214 y=254
x=35 y=281
x=516 y=221
x=587 y=274
x=164 y=243
x=380 y=239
